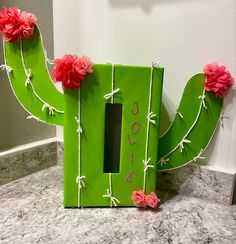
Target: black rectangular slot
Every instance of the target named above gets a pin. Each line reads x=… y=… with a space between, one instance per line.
x=113 y=122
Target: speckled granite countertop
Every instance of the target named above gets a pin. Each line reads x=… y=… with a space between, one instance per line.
x=31 y=211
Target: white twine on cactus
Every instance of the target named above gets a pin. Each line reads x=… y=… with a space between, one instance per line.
x=79 y=130
x=150 y=119
x=184 y=140
x=181 y=145
x=80 y=177
x=32 y=117
x=145 y=169
x=156 y=63
x=164 y=161
x=28 y=76
x=6 y=67
x=199 y=156
x=203 y=97
x=46 y=59
x=49 y=61
x=113 y=200
x=80 y=181
x=180 y=115
x=113 y=92
x=51 y=109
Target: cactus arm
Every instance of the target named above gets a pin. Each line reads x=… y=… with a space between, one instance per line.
x=39 y=97
x=192 y=129
x=34 y=58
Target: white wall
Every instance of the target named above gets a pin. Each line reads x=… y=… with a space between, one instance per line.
x=15 y=129
x=182 y=34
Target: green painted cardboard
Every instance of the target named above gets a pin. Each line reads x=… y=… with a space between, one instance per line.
x=134 y=85
x=198 y=123
x=33 y=56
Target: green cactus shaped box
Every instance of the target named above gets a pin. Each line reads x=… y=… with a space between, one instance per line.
x=111 y=135
x=111 y=123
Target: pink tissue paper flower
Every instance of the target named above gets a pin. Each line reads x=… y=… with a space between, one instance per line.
x=218 y=79
x=84 y=65
x=28 y=21
x=152 y=200
x=15 y=25
x=138 y=198
x=71 y=69
x=10 y=24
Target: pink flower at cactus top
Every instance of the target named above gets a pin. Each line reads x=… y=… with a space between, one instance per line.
x=218 y=79
x=15 y=25
x=71 y=69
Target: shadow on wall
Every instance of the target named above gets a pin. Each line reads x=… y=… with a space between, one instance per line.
x=145 y=5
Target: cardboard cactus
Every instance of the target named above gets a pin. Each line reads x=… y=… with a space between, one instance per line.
x=116 y=111
x=192 y=128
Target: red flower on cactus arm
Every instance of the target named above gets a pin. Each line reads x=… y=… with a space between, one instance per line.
x=218 y=79
x=10 y=24
x=71 y=69
x=28 y=21
x=15 y=25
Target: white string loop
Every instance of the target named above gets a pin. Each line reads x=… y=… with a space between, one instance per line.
x=50 y=61
x=6 y=67
x=181 y=145
x=203 y=97
x=80 y=130
x=198 y=156
x=32 y=117
x=51 y=110
x=180 y=115
x=113 y=200
x=155 y=63
x=110 y=95
x=28 y=76
x=152 y=118
x=80 y=181
x=146 y=165
x=163 y=161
